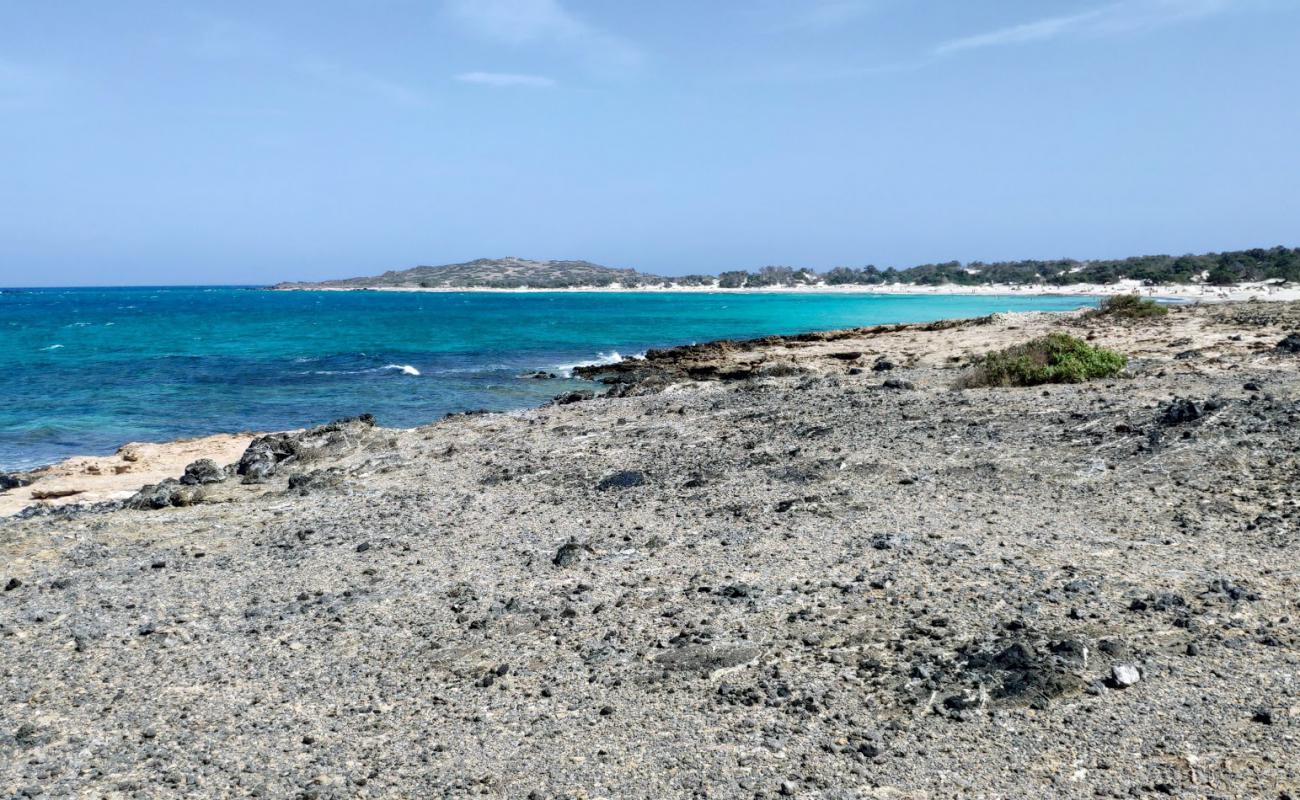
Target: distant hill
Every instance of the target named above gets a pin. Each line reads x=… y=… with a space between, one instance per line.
x=1215 y=269
x=494 y=273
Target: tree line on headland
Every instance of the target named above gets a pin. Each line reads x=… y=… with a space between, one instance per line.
x=1218 y=269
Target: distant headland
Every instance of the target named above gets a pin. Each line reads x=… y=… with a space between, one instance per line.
x=1272 y=268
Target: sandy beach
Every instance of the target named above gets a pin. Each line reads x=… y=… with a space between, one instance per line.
x=1198 y=293
x=797 y=566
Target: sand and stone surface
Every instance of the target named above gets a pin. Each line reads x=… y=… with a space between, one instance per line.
x=796 y=567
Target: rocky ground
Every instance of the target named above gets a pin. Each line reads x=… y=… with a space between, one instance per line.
x=805 y=567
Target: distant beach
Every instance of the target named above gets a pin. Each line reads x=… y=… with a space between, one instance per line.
x=1191 y=292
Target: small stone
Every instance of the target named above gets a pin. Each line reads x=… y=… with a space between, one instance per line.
x=570 y=553
x=1264 y=716
x=13 y=583
x=625 y=479
x=607 y=711
x=1125 y=675
x=363 y=547
x=1193 y=649
x=787 y=788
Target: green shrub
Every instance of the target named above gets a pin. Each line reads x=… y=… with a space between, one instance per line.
x=1055 y=358
x=1129 y=306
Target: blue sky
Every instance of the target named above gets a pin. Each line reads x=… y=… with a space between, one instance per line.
x=144 y=141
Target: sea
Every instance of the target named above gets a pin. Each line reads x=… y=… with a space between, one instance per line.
x=84 y=370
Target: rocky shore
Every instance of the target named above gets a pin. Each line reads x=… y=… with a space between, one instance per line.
x=807 y=566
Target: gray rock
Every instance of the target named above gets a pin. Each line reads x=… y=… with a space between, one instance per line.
x=571 y=552
x=625 y=479
x=1124 y=675
x=203 y=471
x=707 y=657
x=577 y=396
x=9 y=480
x=170 y=492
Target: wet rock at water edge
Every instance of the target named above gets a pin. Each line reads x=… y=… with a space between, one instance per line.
x=569 y=398
x=10 y=481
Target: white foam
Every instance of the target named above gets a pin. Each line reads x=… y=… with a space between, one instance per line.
x=405 y=369
x=601 y=360
x=52 y=347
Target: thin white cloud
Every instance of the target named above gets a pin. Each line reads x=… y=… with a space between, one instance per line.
x=545 y=23
x=506 y=79
x=1122 y=17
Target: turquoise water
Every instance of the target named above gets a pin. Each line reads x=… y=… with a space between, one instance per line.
x=84 y=370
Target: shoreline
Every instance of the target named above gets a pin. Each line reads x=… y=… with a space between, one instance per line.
x=88 y=479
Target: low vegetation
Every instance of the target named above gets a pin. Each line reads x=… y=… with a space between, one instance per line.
x=1055 y=358
x=1129 y=306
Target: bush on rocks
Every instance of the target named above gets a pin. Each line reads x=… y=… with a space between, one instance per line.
x=1055 y=358
x=1128 y=306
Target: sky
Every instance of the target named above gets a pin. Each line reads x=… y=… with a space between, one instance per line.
x=237 y=142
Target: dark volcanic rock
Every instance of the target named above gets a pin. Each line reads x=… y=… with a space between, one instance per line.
x=1180 y=411
x=898 y=383
x=576 y=396
x=1291 y=344
x=316 y=480
x=203 y=471
x=625 y=479
x=10 y=481
x=266 y=454
x=571 y=552
x=170 y=492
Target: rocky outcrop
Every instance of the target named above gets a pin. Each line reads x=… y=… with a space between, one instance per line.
x=203 y=471
x=266 y=455
x=168 y=493
x=10 y=480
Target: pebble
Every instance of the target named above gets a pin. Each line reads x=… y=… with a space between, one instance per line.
x=1125 y=675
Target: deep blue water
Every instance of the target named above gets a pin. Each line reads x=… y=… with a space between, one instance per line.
x=85 y=370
